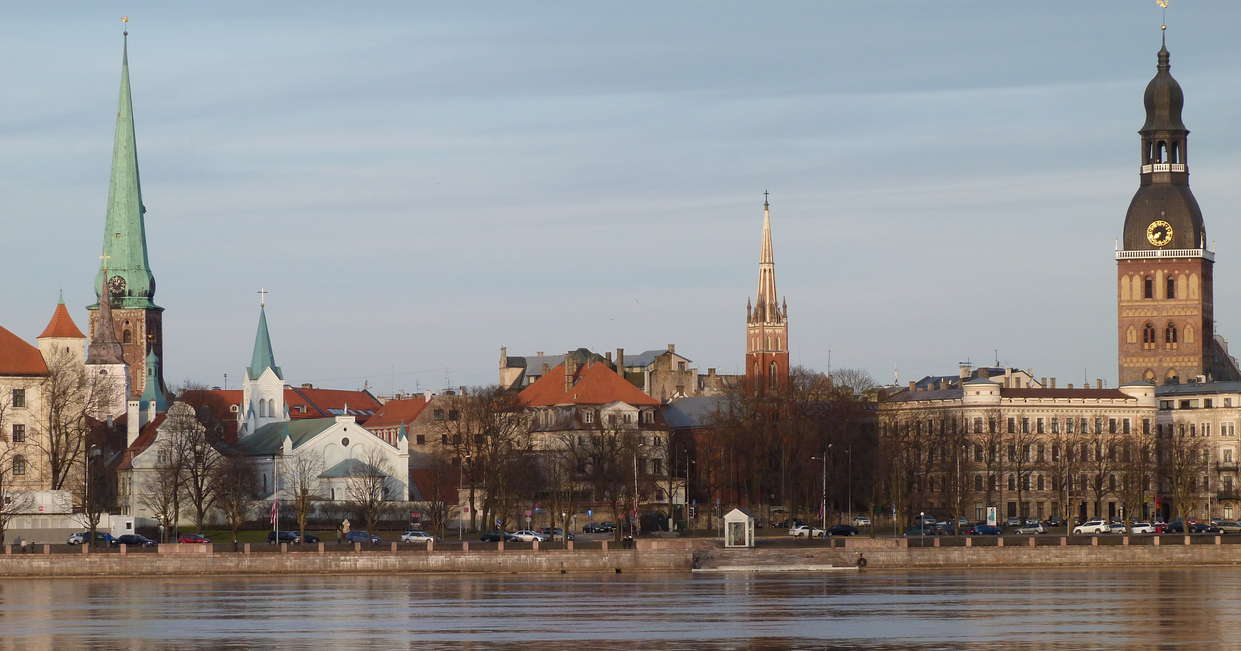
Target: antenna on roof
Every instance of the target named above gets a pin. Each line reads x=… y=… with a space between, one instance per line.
x=226 y=381
x=997 y=356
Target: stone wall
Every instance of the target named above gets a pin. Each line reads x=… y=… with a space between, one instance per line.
x=310 y=562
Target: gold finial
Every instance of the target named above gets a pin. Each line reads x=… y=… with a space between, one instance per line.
x=1163 y=24
x=125 y=22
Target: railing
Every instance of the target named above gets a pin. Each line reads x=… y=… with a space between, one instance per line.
x=1224 y=466
x=1166 y=253
x=1163 y=167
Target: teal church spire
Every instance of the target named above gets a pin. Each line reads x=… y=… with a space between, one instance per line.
x=153 y=390
x=263 y=358
x=130 y=280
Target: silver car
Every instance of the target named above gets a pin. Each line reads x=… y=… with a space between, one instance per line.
x=1031 y=529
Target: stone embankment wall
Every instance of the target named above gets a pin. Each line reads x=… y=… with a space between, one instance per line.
x=310 y=562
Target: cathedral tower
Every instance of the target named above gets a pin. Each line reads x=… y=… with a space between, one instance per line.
x=767 y=325
x=1166 y=327
x=125 y=271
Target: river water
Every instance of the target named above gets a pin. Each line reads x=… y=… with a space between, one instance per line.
x=1111 y=608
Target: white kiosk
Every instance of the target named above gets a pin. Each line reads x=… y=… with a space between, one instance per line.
x=738 y=529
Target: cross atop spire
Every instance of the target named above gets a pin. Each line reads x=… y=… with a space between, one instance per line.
x=766 y=303
x=263 y=296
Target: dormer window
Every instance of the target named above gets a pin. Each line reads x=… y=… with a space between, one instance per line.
x=588 y=416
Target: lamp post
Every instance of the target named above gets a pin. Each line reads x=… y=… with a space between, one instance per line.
x=823 y=503
x=91 y=517
x=849 y=452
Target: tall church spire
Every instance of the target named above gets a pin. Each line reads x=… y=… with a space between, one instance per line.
x=767 y=329
x=104 y=348
x=767 y=303
x=263 y=358
x=124 y=239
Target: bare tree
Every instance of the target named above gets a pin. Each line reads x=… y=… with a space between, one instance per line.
x=301 y=483
x=1181 y=460
x=1099 y=461
x=1064 y=465
x=1138 y=468
x=69 y=396
x=199 y=458
x=235 y=487
x=855 y=380
x=487 y=428
x=162 y=493
x=368 y=486
x=436 y=496
x=12 y=501
x=1020 y=443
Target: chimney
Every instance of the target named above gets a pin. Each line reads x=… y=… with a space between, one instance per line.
x=966 y=369
x=150 y=415
x=913 y=386
x=984 y=373
x=426 y=396
x=132 y=426
x=672 y=348
x=620 y=359
x=1053 y=383
x=307 y=385
x=1070 y=385
x=710 y=372
x=570 y=369
x=503 y=356
x=1043 y=381
x=608 y=356
x=1098 y=383
x=539 y=354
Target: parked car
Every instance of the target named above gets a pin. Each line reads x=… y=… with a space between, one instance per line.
x=1176 y=526
x=1228 y=526
x=555 y=533
x=805 y=531
x=861 y=521
x=1116 y=528
x=1091 y=527
x=364 y=537
x=599 y=527
x=842 y=530
x=416 y=536
x=984 y=530
x=194 y=539
x=1054 y=522
x=921 y=531
x=135 y=540
x=1031 y=529
x=284 y=537
x=527 y=535
x=496 y=536
x=101 y=538
x=1141 y=527
x=925 y=519
x=1013 y=522
x=1203 y=527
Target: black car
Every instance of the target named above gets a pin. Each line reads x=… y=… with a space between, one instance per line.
x=842 y=530
x=290 y=537
x=984 y=530
x=362 y=537
x=496 y=536
x=135 y=540
x=599 y=527
x=1202 y=527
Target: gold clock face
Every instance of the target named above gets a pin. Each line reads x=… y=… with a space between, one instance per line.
x=1159 y=233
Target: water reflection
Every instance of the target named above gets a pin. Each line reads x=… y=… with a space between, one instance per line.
x=1118 y=607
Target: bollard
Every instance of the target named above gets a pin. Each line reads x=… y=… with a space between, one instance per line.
x=1094 y=541
x=605 y=545
x=8 y=550
x=47 y=549
x=284 y=548
x=969 y=542
x=321 y=548
x=1064 y=540
x=535 y=546
x=1219 y=540
x=1030 y=541
x=500 y=545
x=1155 y=541
x=1124 y=541
x=430 y=545
x=999 y=541
x=124 y=549
x=85 y=548
x=393 y=547
x=569 y=545
x=1187 y=540
x=935 y=541
x=465 y=546
x=245 y=548
x=357 y=546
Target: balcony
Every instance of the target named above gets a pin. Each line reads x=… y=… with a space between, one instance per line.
x=1166 y=253
x=1226 y=466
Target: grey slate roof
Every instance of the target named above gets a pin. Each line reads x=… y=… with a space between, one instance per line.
x=269 y=439
x=692 y=412
x=1197 y=387
x=350 y=468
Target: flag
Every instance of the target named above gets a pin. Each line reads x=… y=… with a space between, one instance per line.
x=275 y=511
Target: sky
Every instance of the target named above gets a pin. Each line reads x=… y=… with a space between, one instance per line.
x=419 y=184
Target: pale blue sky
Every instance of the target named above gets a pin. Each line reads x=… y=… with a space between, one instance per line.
x=419 y=185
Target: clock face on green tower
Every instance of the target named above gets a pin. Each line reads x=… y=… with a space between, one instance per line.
x=117 y=285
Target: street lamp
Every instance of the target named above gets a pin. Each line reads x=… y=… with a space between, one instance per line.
x=823 y=504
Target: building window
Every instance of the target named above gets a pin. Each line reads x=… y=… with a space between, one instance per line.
x=127 y=337
x=1098 y=425
x=1012 y=426
x=1012 y=452
x=1041 y=450
x=1111 y=426
x=588 y=416
x=443 y=439
x=1039 y=426
x=1012 y=483
x=438 y=414
x=19 y=433
x=1148 y=287
x=1068 y=425
x=19 y=398
x=1146 y=426
x=19 y=465
x=1025 y=425
x=978 y=452
x=1169 y=334
x=978 y=483
x=453 y=414
x=1148 y=335
x=1171 y=286
x=657 y=466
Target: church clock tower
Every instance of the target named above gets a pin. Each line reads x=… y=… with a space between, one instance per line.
x=767 y=321
x=1164 y=269
x=125 y=272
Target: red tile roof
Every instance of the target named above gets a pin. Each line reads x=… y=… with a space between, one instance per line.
x=594 y=384
x=62 y=325
x=326 y=403
x=395 y=412
x=18 y=357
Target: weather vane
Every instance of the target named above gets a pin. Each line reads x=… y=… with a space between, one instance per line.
x=1163 y=24
x=125 y=22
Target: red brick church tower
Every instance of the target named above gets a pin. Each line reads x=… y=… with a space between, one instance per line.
x=767 y=321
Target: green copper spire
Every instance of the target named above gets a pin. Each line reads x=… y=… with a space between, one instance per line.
x=124 y=238
x=153 y=390
x=263 y=358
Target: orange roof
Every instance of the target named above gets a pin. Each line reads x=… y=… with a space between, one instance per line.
x=18 y=357
x=395 y=412
x=61 y=325
x=326 y=403
x=594 y=384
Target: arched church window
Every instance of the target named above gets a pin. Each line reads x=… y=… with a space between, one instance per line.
x=1169 y=334
x=127 y=337
x=1148 y=334
x=271 y=407
x=772 y=371
x=1161 y=151
x=1148 y=287
x=262 y=409
x=1176 y=152
x=1171 y=286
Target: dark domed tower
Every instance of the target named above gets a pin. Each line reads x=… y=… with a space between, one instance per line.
x=1164 y=268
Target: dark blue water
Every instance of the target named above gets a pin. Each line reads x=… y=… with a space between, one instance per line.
x=1113 y=608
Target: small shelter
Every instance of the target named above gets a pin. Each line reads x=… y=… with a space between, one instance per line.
x=738 y=529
